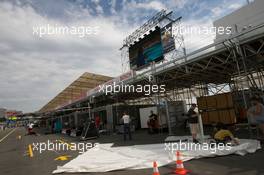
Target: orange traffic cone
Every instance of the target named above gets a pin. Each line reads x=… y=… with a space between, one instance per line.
x=155 y=169
x=179 y=165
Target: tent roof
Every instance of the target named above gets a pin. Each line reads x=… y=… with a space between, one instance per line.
x=76 y=90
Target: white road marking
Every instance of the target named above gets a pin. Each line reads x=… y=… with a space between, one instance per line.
x=7 y=135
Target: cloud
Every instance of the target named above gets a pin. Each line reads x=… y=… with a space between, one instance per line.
x=153 y=5
x=217 y=11
x=235 y=6
x=33 y=70
x=113 y=6
x=227 y=7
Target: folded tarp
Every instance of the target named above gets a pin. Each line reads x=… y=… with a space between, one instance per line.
x=107 y=158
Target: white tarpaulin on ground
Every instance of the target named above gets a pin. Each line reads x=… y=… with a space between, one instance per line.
x=106 y=158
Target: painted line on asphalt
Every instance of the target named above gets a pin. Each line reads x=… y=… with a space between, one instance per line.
x=30 y=151
x=7 y=135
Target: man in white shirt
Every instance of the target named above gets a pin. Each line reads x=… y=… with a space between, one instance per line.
x=126 y=121
x=30 y=128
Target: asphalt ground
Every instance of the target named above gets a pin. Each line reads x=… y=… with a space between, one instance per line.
x=14 y=159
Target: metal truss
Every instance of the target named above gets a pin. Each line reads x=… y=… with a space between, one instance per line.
x=230 y=63
x=152 y=22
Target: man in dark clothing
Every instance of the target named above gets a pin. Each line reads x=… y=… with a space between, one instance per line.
x=193 y=122
x=153 y=118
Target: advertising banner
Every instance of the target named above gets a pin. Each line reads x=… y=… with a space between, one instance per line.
x=167 y=39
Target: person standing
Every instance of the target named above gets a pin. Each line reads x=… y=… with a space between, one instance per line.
x=30 y=128
x=126 y=121
x=152 y=122
x=97 y=122
x=193 y=122
x=257 y=112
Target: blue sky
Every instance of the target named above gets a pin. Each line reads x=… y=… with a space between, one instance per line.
x=33 y=70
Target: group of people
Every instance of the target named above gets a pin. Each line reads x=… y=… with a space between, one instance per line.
x=221 y=133
x=152 y=124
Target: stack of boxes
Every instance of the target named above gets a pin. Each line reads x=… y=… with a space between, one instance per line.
x=217 y=108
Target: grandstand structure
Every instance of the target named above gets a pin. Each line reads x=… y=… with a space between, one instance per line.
x=75 y=91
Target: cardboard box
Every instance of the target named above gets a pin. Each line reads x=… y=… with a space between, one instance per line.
x=230 y=100
x=221 y=101
x=232 y=116
x=211 y=102
x=205 y=118
x=213 y=117
x=201 y=102
x=227 y=116
x=224 y=116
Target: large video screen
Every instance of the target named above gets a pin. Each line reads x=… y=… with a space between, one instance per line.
x=149 y=49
